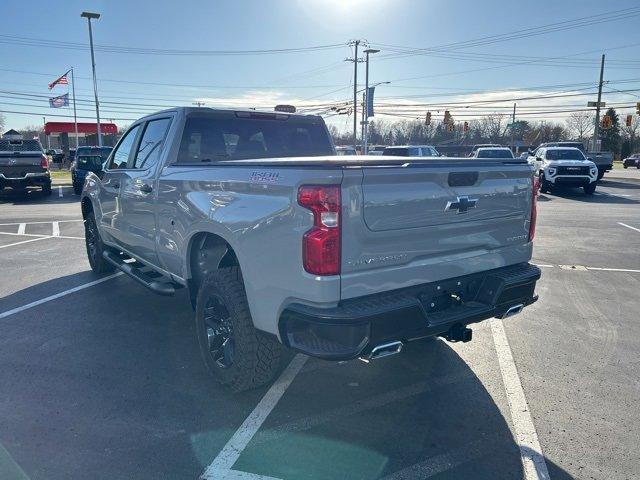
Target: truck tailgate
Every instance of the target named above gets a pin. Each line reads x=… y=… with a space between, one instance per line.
x=431 y=220
x=18 y=164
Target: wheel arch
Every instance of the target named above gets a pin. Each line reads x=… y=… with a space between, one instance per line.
x=86 y=206
x=206 y=252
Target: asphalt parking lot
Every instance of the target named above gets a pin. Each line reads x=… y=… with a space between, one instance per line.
x=100 y=378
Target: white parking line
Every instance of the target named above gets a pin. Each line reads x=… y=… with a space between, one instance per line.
x=60 y=192
x=33 y=223
x=55 y=229
x=57 y=295
x=221 y=465
x=25 y=241
x=629 y=270
x=533 y=462
x=629 y=226
x=21 y=228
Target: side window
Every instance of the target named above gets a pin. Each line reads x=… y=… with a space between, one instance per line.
x=121 y=154
x=150 y=145
x=414 y=152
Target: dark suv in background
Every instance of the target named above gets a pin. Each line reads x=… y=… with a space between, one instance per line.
x=87 y=159
x=632 y=161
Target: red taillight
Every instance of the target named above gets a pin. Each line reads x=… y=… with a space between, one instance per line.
x=44 y=162
x=534 y=208
x=321 y=244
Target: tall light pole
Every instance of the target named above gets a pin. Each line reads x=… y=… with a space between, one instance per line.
x=95 y=16
x=368 y=52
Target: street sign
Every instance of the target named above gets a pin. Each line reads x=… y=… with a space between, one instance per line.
x=595 y=104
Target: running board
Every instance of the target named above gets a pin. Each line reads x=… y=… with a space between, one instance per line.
x=161 y=288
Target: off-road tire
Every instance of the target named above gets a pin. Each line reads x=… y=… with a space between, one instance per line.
x=91 y=234
x=544 y=185
x=77 y=189
x=46 y=189
x=590 y=189
x=256 y=356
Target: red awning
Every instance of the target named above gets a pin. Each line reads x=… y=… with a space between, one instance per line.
x=69 y=127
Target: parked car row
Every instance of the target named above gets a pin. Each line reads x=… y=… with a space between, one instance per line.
x=557 y=164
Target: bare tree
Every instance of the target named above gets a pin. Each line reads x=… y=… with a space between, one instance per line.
x=492 y=127
x=580 y=125
x=3 y=121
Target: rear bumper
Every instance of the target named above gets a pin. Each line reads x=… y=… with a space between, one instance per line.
x=29 y=179
x=356 y=326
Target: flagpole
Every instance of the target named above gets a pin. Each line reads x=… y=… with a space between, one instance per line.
x=75 y=118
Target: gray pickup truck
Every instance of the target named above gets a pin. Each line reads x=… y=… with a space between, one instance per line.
x=23 y=164
x=278 y=241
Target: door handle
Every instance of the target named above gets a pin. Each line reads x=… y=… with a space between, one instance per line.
x=145 y=188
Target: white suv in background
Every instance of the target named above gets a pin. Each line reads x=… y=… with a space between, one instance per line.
x=564 y=166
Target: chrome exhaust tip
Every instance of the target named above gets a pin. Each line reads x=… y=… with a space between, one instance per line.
x=383 y=350
x=513 y=310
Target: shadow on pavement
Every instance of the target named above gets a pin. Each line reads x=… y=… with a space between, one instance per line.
x=36 y=197
x=619 y=183
x=421 y=414
x=598 y=197
x=108 y=383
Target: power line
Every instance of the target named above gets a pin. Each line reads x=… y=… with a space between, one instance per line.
x=40 y=42
x=532 y=31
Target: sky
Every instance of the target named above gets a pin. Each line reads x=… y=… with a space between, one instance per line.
x=149 y=56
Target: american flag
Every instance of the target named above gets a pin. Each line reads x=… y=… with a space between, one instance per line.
x=62 y=80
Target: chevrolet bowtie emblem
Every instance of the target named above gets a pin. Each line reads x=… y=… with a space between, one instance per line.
x=461 y=205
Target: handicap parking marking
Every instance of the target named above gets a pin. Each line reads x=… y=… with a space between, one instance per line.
x=629 y=226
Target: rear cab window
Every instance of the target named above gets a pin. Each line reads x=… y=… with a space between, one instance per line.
x=209 y=138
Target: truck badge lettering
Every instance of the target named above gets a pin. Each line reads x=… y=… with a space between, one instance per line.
x=264 y=177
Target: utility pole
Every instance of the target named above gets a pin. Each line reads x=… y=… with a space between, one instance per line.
x=363 y=121
x=89 y=16
x=596 y=127
x=356 y=44
x=44 y=121
x=513 y=127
